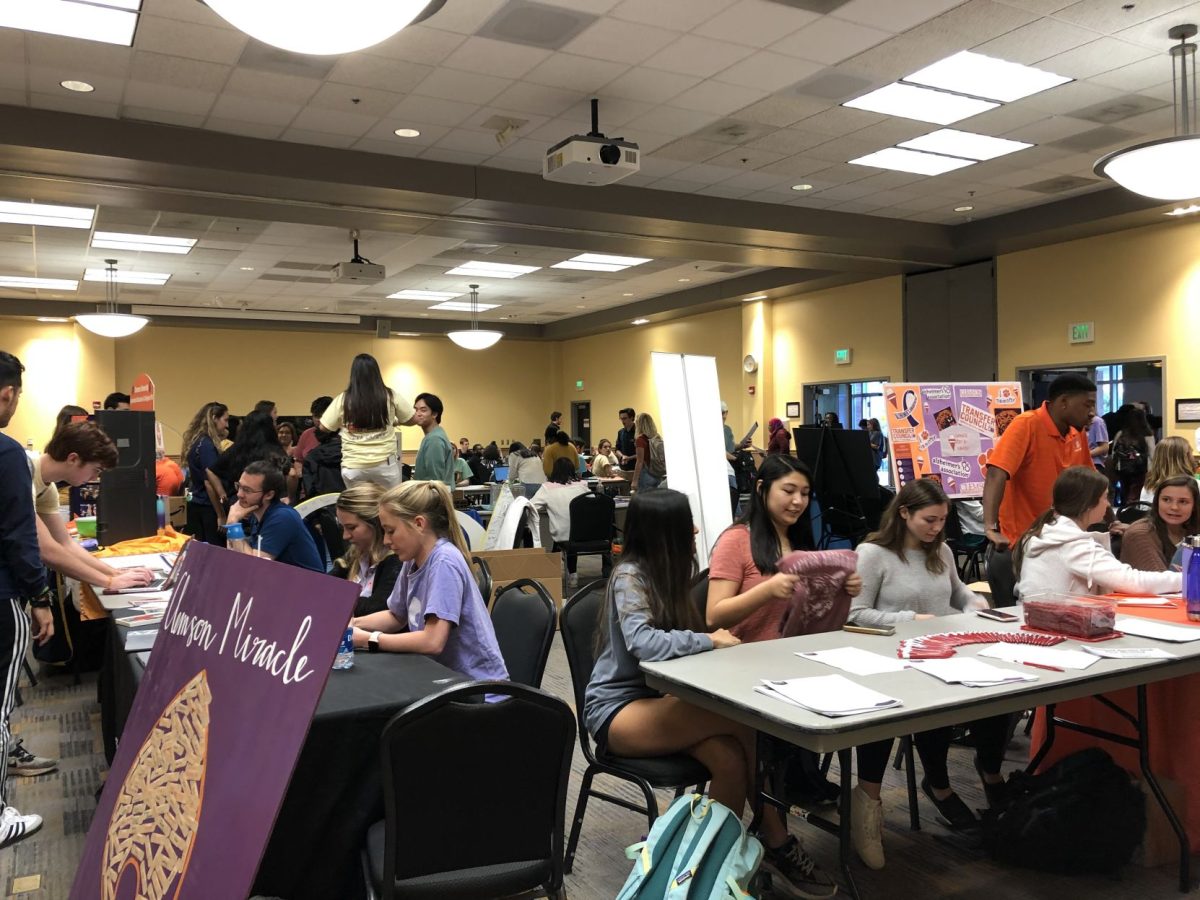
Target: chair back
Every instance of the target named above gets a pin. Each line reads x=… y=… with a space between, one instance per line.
x=699 y=592
x=1133 y=512
x=322 y=523
x=954 y=529
x=470 y=784
x=1002 y=578
x=472 y=530
x=592 y=518
x=523 y=619
x=577 y=623
x=483 y=577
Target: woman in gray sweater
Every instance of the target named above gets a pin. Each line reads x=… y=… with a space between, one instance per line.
x=649 y=615
x=908 y=573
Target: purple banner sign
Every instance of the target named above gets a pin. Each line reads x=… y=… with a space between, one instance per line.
x=218 y=722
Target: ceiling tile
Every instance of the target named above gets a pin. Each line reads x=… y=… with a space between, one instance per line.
x=164 y=116
x=464 y=87
x=755 y=22
x=569 y=72
x=649 y=85
x=830 y=40
x=176 y=38
x=690 y=150
x=249 y=109
x=705 y=174
x=1101 y=55
x=840 y=120
x=1069 y=97
x=376 y=71
x=768 y=71
x=417 y=44
x=52 y=51
x=383 y=132
x=783 y=110
x=902 y=55
x=1052 y=128
x=745 y=158
x=257 y=129
x=892 y=16
x=715 y=97
x=1108 y=17
x=691 y=55
x=490 y=57
x=463 y=18
x=1037 y=41
x=679 y=15
x=615 y=112
x=536 y=99
x=270 y=86
x=1002 y=119
x=75 y=103
x=667 y=120
x=1152 y=33
x=334 y=122
x=789 y=141
x=427 y=109
x=482 y=142
x=156 y=68
x=1138 y=76
x=618 y=41
x=41 y=80
x=165 y=96
x=842 y=149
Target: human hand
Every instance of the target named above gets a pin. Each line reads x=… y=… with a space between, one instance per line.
x=853 y=584
x=1116 y=527
x=359 y=638
x=921 y=617
x=43 y=624
x=129 y=578
x=781 y=585
x=999 y=541
x=722 y=638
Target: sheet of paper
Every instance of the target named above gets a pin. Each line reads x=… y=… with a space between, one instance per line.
x=1148 y=602
x=829 y=695
x=856 y=661
x=1158 y=631
x=1107 y=652
x=1045 y=656
x=968 y=671
x=140 y=640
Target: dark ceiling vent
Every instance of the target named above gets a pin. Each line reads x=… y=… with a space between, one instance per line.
x=535 y=24
x=1118 y=108
x=1060 y=184
x=816 y=6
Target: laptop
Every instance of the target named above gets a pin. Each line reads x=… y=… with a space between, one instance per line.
x=160 y=583
x=499 y=474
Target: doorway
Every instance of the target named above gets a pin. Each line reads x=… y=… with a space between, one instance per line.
x=581 y=421
x=1118 y=383
x=851 y=402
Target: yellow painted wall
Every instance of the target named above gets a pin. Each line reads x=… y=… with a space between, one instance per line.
x=1141 y=288
x=63 y=364
x=615 y=367
x=807 y=328
x=487 y=393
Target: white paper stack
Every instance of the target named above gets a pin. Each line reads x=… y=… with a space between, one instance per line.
x=828 y=695
x=140 y=640
x=968 y=671
x=1159 y=631
x=1043 y=656
x=1129 y=652
x=855 y=660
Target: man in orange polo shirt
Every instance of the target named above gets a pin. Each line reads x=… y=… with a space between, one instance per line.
x=1033 y=450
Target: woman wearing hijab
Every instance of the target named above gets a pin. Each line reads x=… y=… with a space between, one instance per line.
x=779 y=440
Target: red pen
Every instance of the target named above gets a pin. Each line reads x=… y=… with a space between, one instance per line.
x=1043 y=666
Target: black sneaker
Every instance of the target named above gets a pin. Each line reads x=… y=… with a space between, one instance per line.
x=952 y=808
x=795 y=874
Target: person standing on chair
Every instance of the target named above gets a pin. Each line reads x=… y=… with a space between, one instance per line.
x=22 y=585
x=365 y=415
x=435 y=456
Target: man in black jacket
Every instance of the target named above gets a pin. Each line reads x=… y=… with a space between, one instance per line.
x=22 y=583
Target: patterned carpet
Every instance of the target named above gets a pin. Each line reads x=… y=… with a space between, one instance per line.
x=62 y=719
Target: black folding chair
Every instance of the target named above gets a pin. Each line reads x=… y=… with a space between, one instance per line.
x=523 y=618
x=578 y=622
x=474 y=796
x=483 y=577
x=968 y=549
x=593 y=517
x=1132 y=512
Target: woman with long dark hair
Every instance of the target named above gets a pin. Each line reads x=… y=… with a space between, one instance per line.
x=256 y=441
x=908 y=573
x=1149 y=544
x=366 y=415
x=200 y=449
x=649 y=615
x=1129 y=455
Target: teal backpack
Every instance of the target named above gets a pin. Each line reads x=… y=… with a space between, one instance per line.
x=698 y=849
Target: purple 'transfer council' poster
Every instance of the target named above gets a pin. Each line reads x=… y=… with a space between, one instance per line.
x=218 y=722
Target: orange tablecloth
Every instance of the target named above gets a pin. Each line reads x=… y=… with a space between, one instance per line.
x=168 y=540
x=1174 y=733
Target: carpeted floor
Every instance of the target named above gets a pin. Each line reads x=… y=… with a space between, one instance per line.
x=61 y=719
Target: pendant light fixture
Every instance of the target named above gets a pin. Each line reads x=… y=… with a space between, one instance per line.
x=1168 y=168
x=322 y=27
x=475 y=338
x=106 y=321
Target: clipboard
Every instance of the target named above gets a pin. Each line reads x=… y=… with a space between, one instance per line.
x=749 y=434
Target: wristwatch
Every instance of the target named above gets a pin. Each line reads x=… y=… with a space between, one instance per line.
x=373 y=642
x=41 y=600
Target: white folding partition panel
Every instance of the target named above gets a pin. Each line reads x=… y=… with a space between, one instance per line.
x=689 y=402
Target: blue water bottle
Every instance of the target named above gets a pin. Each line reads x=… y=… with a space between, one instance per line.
x=1191 y=577
x=345 y=654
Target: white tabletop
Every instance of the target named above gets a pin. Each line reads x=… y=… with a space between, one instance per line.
x=723 y=681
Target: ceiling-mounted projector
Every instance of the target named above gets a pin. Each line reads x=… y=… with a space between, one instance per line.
x=358 y=270
x=591 y=158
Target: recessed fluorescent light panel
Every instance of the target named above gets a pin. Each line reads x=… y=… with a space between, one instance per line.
x=477 y=269
x=43 y=214
x=107 y=21
x=112 y=240
x=600 y=262
x=986 y=76
x=640 y=322
x=46 y=284
x=951 y=142
x=153 y=278
x=923 y=104
x=458 y=306
x=911 y=161
x=423 y=295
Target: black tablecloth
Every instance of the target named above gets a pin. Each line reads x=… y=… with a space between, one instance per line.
x=336 y=791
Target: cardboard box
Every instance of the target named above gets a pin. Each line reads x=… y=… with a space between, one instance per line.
x=508 y=565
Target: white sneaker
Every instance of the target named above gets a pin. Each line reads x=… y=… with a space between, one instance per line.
x=14 y=826
x=866 y=828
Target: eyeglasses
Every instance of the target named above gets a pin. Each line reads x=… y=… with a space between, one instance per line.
x=242 y=489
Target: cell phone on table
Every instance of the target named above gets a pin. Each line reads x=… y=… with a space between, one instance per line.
x=866 y=629
x=998 y=615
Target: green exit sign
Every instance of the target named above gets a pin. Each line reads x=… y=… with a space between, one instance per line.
x=579 y=384
x=1082 y=332
x=842 y=356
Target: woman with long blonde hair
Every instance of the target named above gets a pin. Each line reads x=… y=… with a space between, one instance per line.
x=1172 y=456
x=650 y=467
x=435 y=608
x=367 y=562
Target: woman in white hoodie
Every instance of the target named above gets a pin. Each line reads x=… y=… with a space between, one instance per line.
x=1059 y=554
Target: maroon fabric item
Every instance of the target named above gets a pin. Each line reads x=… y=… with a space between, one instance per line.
x=820 y=602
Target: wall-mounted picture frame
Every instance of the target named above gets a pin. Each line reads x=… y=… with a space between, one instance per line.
x=1187 y=410
x=793 y=409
